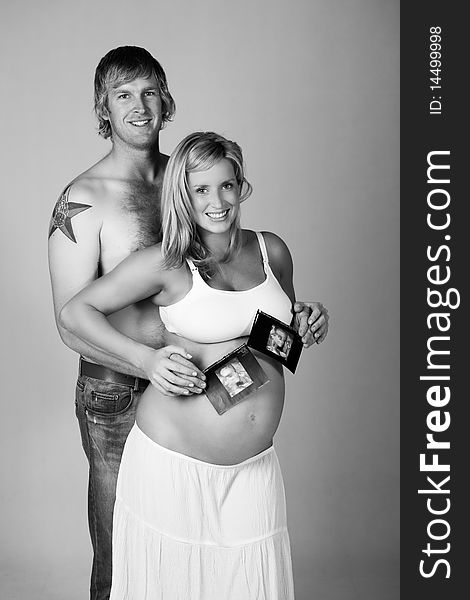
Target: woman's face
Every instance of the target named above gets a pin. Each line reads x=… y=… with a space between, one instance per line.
x=215 y=197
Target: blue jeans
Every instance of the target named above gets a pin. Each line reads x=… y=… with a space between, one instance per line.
x=106 y=413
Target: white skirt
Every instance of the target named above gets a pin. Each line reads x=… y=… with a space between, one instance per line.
x=185 y=529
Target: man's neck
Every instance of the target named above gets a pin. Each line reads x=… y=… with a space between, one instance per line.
x=144 y=165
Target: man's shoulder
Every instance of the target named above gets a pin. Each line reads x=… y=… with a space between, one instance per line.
x=79 y=206
x=81 y=191
x=90 y=187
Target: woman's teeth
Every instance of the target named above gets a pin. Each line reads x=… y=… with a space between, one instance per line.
x=217 y=216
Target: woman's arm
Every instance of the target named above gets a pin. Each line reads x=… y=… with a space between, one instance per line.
x=136 y=278
x=280 y=260
x=311 y=318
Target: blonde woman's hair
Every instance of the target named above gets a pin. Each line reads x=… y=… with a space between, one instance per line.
x=198 y=151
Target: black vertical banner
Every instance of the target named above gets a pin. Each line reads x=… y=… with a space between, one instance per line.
x=435 y=236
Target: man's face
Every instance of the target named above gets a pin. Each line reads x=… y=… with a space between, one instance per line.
x=135 y=112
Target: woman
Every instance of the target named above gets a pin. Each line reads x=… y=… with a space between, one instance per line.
x=200 y=508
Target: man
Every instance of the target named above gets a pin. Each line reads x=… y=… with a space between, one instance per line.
x=107 y=212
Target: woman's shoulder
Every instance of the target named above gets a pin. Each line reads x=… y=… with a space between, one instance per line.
x=148 y=265
x=276 y=247
x=149 y=260
x=270 y=238
x=279 y=256
x=152 y=257
x=149 y=254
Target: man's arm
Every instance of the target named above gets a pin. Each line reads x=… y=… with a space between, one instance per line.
x=136 y=278
x=311 y=321
x=74 y=252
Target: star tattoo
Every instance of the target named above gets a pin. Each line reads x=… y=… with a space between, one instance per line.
x=63 y=213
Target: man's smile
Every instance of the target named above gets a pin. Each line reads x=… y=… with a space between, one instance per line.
x=140 y=123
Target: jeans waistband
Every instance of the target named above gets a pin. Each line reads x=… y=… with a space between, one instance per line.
x=89 y=369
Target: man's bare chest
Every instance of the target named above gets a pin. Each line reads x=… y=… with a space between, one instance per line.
x=130 y=223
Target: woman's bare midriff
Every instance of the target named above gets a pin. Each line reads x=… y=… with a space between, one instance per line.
x=191 y=425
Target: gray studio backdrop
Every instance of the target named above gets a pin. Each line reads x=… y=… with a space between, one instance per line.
x=309 y=88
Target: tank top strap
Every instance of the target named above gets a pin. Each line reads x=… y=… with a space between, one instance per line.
x=264 y=252
x=198 y=281
x=192 y=266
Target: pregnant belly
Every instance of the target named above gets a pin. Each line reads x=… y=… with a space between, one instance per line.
x=192 y=426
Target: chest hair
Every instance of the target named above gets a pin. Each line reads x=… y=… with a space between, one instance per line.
x=141 y=202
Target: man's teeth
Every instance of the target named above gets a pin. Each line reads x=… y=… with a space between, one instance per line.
x=140 y=123
x=217 y=215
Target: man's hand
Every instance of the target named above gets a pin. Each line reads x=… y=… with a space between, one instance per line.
x=170 y=371
x=311 y=322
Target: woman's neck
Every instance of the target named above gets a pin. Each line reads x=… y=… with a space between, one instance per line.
x=216 y=243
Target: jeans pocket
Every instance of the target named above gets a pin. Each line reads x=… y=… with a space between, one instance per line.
x=108 y=399
x=79 y=389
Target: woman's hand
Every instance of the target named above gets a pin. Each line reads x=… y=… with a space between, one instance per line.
x=170 y=371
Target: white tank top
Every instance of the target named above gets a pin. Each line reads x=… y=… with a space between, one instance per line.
x=207 y=315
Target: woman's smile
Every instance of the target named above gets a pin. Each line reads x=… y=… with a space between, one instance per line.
x=219 y=215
